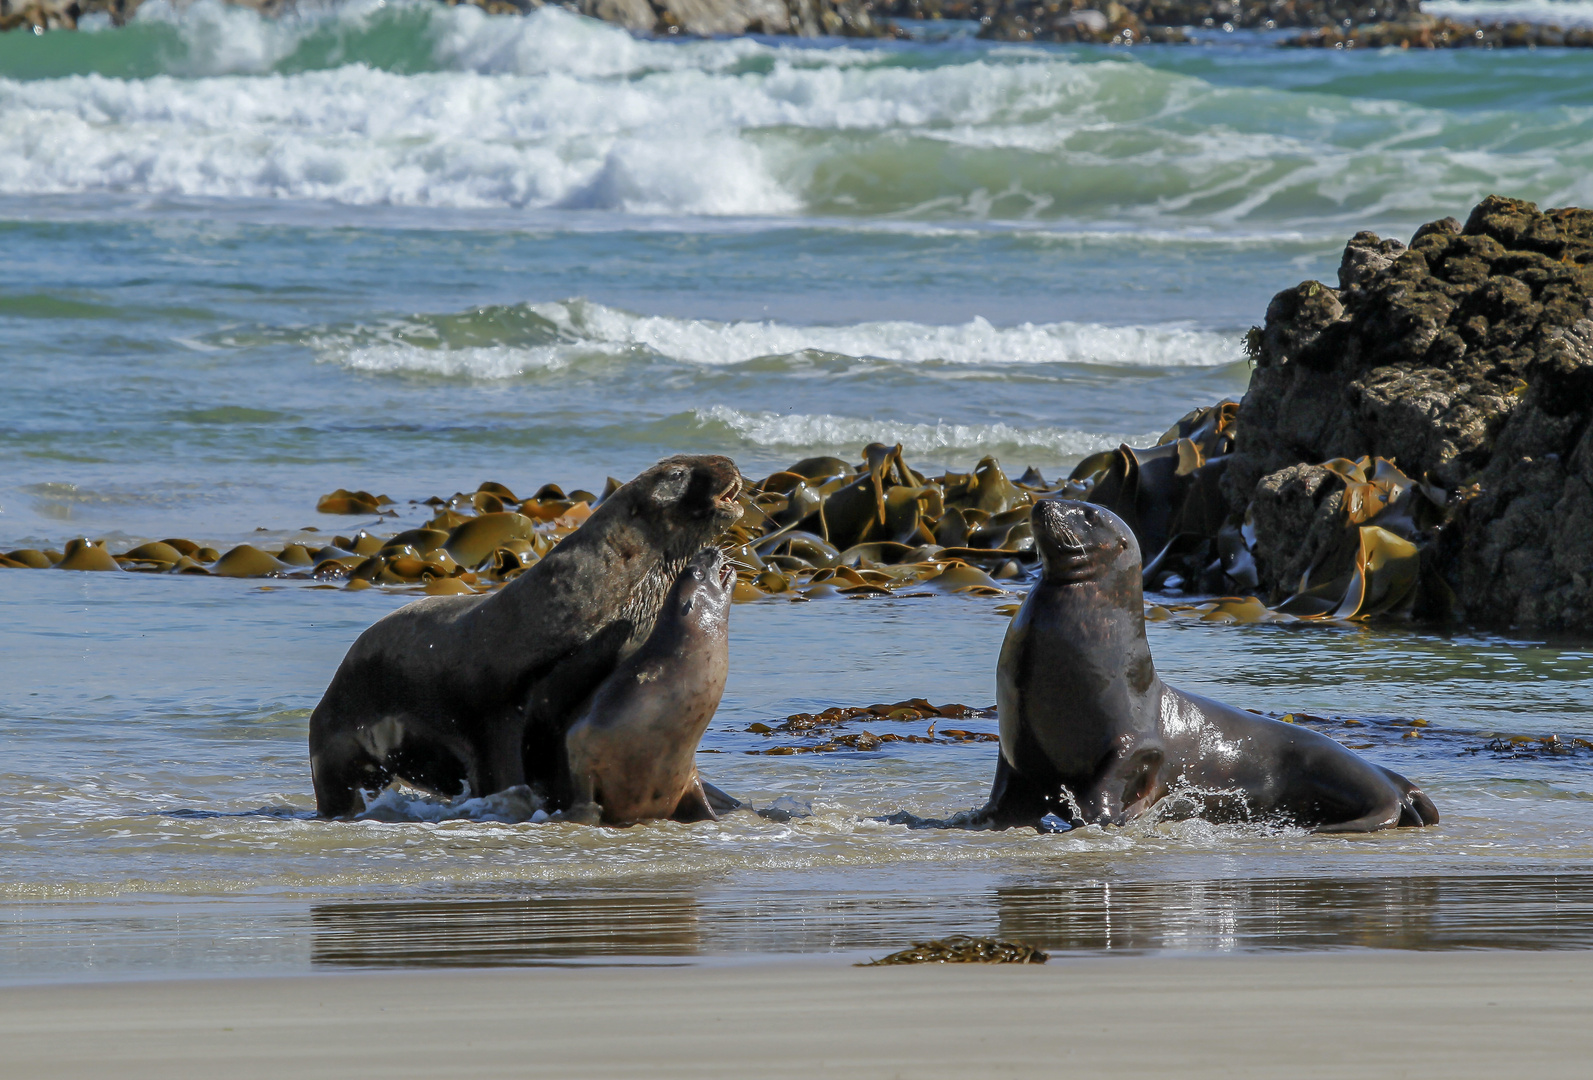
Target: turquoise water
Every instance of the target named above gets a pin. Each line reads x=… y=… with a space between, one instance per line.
x=411 y=248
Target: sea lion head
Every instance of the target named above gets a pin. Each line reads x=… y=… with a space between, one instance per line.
x=684 y=502
x=1079 y=541
x=701 y=594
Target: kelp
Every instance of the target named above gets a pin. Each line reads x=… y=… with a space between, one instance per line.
x=824 y=527
x=472 y=542
x=823 y=725
x=828 y=528
x=963 y=949
x=344 y=501
x=1170 y=497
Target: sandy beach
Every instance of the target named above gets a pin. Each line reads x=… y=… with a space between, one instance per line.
x=1381 y=1014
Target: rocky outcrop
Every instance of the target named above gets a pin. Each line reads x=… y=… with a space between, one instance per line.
x=700 y=18
x=1049 y=20
x=1330 y=23
x=1418 y=31
x=1131 y=21
x=41 y=15
x=1466 y=359
x=718 y=18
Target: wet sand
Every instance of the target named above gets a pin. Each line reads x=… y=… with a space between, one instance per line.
x=1382 y=1014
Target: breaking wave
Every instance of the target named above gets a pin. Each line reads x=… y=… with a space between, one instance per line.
x=536 y=338
x=844 y=434
x=419 y=105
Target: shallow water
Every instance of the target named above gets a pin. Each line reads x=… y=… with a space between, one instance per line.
x=411 y=248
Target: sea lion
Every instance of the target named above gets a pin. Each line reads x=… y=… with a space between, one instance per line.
x=1081 y=708
x=480 y=690
x=632 y=754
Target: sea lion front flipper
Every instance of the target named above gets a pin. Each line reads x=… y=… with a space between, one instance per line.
x=721 y=801
x=583 y=813
x=1016 y=800
x=694 y=804
x=342 y=770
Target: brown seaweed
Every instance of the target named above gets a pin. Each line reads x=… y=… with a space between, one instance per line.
x=826 y=528
x=963 y=949
x=343 y=501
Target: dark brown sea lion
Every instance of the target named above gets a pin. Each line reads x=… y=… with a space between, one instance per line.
x=632 y=754
x=1082 y=709
x=480 y=690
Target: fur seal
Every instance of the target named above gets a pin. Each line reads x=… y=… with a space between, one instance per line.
x=632 y=754
x=480 y=690
x=1082 y=708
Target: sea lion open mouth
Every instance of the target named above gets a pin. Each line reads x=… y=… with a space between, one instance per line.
x=727 y=498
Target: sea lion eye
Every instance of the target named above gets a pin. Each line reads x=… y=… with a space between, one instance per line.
x=671 y=486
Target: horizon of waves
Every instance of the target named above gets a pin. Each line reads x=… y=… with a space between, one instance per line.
x=399 y=105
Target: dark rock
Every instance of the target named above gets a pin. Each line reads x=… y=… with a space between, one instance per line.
x=1467 y=360
x=1286 y=505
x=1133 y=21
x=1417 y=31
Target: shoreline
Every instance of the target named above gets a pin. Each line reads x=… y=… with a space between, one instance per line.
x=1457 y=1015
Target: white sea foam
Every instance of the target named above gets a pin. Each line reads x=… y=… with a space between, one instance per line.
x=975 y=342
x=485 y=362
x=512 y=805
x=844 y=434
x=595 y=331
x=1561 y=12
x=221 y=39
x=552 y=112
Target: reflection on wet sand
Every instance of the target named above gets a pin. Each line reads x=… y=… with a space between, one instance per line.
x=495 y=933
x=1504 y=912
x=1516 y=912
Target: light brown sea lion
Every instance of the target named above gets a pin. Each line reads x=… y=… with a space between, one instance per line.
x=1090 y=733
x=632 y=754
x=480 y=690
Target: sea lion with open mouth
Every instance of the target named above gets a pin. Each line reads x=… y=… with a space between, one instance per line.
x=632 y=754
x=480 y=690
x=1090 y=733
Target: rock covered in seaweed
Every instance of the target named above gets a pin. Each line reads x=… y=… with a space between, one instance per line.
x=702 y=18
x=712 y=18
x=1467 y=360
x=1132 y=21
x=1419 y=31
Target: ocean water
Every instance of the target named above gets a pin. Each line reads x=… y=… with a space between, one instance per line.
x=408 y=248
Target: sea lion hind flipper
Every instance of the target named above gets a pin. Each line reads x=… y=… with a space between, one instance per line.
x=1418 y=809
x=720 y=800
x=694 y=805
x=1415 y=808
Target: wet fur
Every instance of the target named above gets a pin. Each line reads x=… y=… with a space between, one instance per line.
x=632 y=754
x=479 y=690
